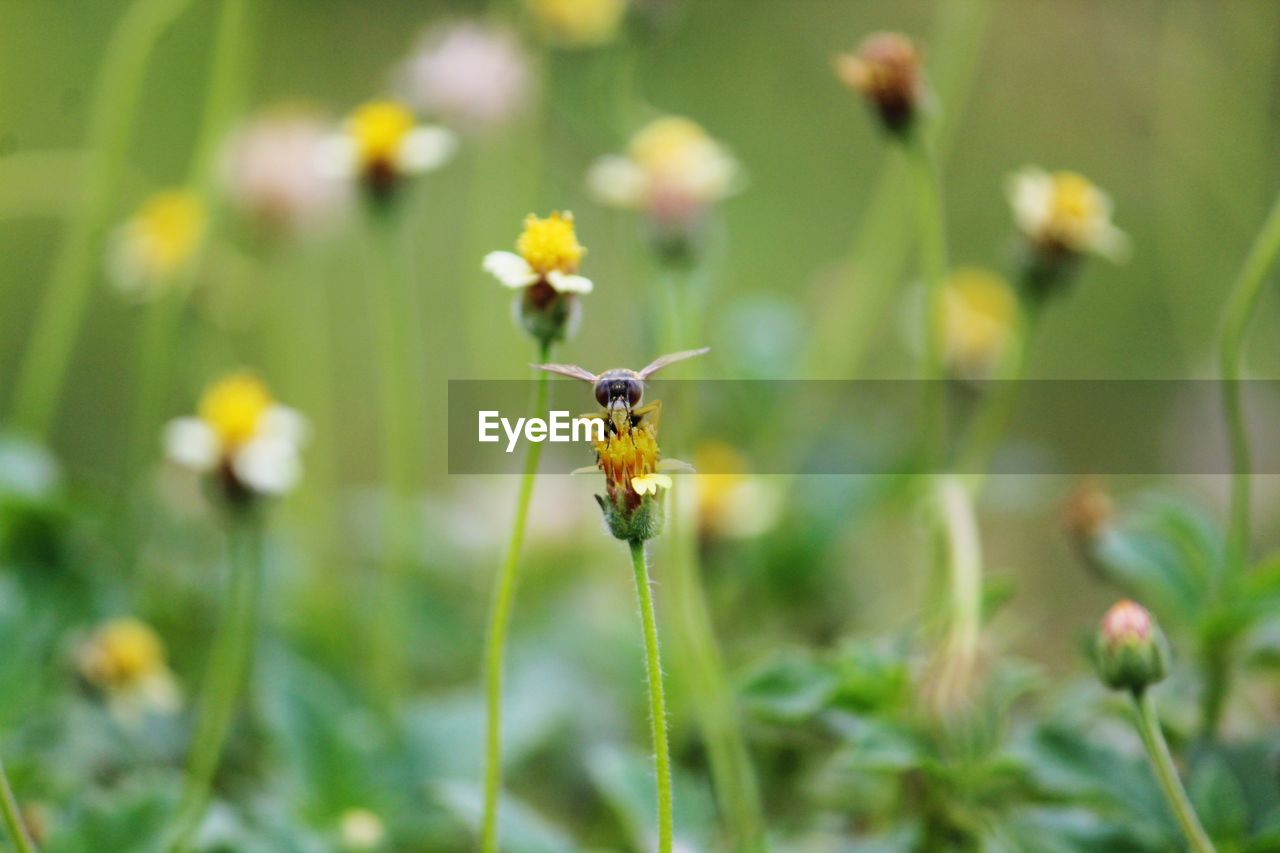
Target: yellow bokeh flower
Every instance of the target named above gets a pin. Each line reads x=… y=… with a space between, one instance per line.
x=157 y=242
x=379 y=129
x=578 y=23
x=1065 y=212
x=233 y=407
x=980 y=316
x=382 y=143
x=125 y=659
x=547 y=251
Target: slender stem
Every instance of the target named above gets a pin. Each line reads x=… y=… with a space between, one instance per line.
x=40 y=378
x=1240 y=309
x=401 y=417
x=1167 y=775
x=657 y=705
x=933 y=270
x=504 y=593
x=963 y=550
x=228 y=669
x=13 y=816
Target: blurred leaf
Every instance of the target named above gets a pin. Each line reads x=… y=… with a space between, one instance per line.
x=520 y=828
x=1218 y=799
x=625 y=780
x=132 y=817
x=791 y=688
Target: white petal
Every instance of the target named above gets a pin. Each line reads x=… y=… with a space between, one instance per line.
x=191 y=443
x=659 y=480
x=285 y=424
x=336 y=157
x=586 y=469
x=1112 y=243
x=426 y=148
x=510 y=269
x=269 y=466
x=675 y=465
x=618 y=182
x=565 y=283
x=1030 y=194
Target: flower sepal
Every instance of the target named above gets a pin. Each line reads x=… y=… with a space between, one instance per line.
x=633 y=523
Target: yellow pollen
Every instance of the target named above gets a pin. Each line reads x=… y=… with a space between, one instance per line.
x=122 y=653
x=166 y=230
x=627 y=455
x=1075 y=199
x=379 y=129
x=233 y=408
x=550 y=244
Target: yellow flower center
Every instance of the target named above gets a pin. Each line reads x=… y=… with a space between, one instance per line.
x=1075 y=200
x=578 y=23
x=166 y=231
x=627 y=455
x=233 y=408
x=665 y=141
x=122 y=653
x=379 y=129
x=550 y=244
x=978 y=319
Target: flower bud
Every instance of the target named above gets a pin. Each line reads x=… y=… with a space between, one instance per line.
x=547 y=315
x=1087 y=512
x=1129 y=650
x=632 y=505
x=886 y=70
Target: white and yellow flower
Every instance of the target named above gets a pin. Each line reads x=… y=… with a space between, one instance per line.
x=1065 y=212
x=672 y=170
x=547 y=251
x=732 y=504
x=577 y=23
x=382 y=144
x=243 y=435
x=157 y=243
x=979 y=321
x=125 y=659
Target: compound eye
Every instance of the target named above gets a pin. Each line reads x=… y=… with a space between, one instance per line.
x=635 y=390
x=602 y=394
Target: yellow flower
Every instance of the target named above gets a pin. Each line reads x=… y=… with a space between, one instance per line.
x=731 y=503
x=648 y=484
x=633 y=476
x=672 y=169
x=157 y=242
x=980 y=316
x=242 y=431
x=125 y=659
x=578 y=23
x=546 y=251
x=382 y=143
x=1064 y=211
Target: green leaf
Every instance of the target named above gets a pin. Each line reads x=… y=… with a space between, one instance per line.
x=1218 y=799
x=791 y=688
x=625 y=780
x=520 y=828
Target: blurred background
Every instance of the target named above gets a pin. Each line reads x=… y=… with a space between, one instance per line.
x=1172 y=107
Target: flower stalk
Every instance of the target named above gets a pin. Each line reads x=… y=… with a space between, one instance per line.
x=933 y=271
x=1167 y=774
x=13 y=816
x=657 y=702
x=499 y=623
x=228 y=670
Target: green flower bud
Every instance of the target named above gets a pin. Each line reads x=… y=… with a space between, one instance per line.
x=1129 y=650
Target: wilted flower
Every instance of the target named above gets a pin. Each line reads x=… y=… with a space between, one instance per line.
x=382 y=144
x=242 y=436
x=361 y=829
x=634 y=477
x=275 y=176
x=673 y=171
x=1130 y=652
x=1063 y=216
x=157 y=243
x=731 y=503
x=544 y=268
x=886 y=70
x=577 y=23
x=125 y=659
x=980 y=316
x=468 y=73
x=1087 y=511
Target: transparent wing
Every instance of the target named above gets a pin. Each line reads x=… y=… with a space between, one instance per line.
x=663 y=361
x=570 y=370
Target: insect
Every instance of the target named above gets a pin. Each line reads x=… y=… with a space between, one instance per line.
x=619 y=391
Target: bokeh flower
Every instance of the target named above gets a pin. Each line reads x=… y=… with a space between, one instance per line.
x=360 y=829
x=635 y=477
x=382 y=144
x=1130 y=652
x=125 y=660
x=979 y=322
x=250 y=443
x=544 y=268
x=468 y=74
x=157 y=243
x=672 y=170
x=577 y=23
x=275 y=177
x=1064 y=213
x=732 y=504
x=886 y=69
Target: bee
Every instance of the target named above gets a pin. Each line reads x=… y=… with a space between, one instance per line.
x=620 y=391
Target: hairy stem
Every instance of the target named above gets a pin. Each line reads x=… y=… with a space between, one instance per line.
x=657 y=704
x=1167 y=775
x=504 y=593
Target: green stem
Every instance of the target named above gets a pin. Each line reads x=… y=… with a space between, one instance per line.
x=504 y=593
x=13 y=816
x=657 y=705
x=114 y=115
x=228 y=670
x=402 y=425
x=1241 y=307
x=933 y=270
x=1167 y=775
